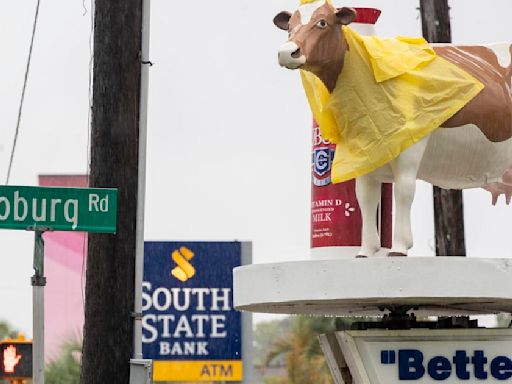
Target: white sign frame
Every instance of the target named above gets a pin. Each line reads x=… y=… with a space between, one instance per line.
x=352 y=347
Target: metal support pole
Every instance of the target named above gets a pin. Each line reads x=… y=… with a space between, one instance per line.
x=247 y=331
x=38 y=284
x=141 y=190
x=141 y=369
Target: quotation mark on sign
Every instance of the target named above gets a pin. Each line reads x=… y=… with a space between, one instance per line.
x=184 y=269
x=387 y=357
x=10 y=359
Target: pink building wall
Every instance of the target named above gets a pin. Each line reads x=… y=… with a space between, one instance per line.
x=65 y=262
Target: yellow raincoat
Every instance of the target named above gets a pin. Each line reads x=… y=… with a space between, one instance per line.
x=390 y=94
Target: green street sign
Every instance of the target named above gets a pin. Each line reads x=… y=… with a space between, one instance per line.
x=58 y=209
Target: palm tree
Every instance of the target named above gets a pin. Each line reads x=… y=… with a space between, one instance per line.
x=305 y=363
x=264 y=336
x=7 y=331
x=66 y=368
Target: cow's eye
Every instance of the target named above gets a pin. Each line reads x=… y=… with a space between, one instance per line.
x=322 y=24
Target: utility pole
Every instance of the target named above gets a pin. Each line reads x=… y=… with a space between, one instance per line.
x=109 y=303
x=448 y=204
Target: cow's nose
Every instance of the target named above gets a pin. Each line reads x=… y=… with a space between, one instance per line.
x=290 y=56
x=296 y=54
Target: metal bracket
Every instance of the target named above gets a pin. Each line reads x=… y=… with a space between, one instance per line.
x=38 y=281
x=401 y=320
x=141 y=371
x=137 y=315
x=335 y=359
x=37 y=228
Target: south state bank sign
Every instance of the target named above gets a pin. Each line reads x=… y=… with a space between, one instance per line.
x=190 y=327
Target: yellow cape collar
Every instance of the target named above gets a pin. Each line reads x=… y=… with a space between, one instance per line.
x=380 y=105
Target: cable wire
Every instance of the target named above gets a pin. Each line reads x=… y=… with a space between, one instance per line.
x=27 y=70
x=89 y=117
x=90 y=79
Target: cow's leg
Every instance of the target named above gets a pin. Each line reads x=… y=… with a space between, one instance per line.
x=405 y=170
x=368 y=192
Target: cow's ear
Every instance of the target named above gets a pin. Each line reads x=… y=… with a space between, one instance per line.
x=346 y=15
x=282 y=19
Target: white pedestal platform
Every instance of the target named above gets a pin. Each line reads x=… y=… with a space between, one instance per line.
x=431 y=286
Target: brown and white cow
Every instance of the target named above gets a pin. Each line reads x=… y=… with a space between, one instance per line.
x=473 y=148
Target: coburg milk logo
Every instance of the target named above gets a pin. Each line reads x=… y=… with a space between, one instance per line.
x=184 y=269
x=322 y=159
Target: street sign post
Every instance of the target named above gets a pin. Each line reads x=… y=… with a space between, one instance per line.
x=42 y=209
x=190 y=328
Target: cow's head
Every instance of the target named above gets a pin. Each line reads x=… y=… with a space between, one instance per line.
x=316 y=41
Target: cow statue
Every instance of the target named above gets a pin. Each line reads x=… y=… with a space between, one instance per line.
x=471 y=149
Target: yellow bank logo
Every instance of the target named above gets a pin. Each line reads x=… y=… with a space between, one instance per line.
x=184 y=270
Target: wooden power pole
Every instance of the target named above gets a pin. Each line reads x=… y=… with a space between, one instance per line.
x=448 y=205
x=109 y=303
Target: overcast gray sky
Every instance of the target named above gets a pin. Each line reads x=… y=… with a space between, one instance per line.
x=229 y=130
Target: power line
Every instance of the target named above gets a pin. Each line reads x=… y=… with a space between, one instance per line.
x=22 y=95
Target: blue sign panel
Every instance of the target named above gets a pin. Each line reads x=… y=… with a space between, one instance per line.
x=188 y=314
